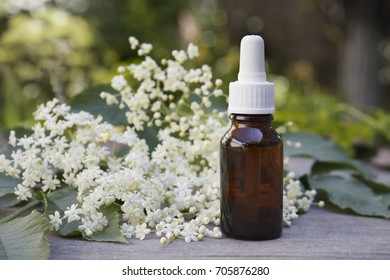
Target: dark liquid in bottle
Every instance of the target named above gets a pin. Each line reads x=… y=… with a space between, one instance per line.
x=251 y=179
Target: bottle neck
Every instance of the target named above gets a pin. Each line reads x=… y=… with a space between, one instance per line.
x=251 y=120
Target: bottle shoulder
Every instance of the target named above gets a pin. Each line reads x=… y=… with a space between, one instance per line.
x=240 y=137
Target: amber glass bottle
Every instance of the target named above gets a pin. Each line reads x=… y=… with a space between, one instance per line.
x=251 y=153
x=251 y=178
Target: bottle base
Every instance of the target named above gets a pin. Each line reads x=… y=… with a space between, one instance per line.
x=254 y=237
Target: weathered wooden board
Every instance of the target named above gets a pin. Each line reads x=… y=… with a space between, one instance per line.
x=319 y=234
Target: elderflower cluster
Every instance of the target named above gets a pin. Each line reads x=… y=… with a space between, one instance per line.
x=68 y=148
x=295 y=198
x=171 y=189
x=177 y=102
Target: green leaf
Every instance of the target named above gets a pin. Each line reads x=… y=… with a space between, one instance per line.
x=328 y=155
x=91 y=102
x=305 y=181
x=7 y=184
x=362 y=169
x=320 y=167
x=59 y=200
x=315 y=147
x=353 y=195
x=8 y=200
x=111 y=232
x=70 y=229
x=375 y=186
x=23 y=238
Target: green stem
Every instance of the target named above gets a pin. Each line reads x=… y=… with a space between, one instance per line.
x=20 y=211
x=114 y=149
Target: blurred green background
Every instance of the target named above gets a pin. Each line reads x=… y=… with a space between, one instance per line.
x=329 y=59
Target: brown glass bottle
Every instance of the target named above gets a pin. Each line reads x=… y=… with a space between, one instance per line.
x=251 y=161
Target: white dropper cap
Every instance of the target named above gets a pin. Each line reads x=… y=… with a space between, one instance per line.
x=251 y=93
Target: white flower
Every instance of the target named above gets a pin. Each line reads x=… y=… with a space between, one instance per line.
x=141 y=231
x=72 y=213
x=293 y=189
x=163 y=241
x=154 y=218
x=192 y=51
x=119 y=82
x=180 y=56
x=4 y=163
x=86 y=226
x=190 y=231
x=55 y=220
x=12 y=138
x=127 y=230
x=110 y=98
x=289 y=211
x=50 y=183
x=22 y=192
x=304 y=203
x=133 y=42
x=216 y=232
x=145 y=49
x=99 y=221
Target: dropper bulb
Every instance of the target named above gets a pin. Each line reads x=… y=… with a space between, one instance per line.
x=251 y=94
x=252 y=68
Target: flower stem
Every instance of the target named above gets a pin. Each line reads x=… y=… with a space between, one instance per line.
x=20 y=211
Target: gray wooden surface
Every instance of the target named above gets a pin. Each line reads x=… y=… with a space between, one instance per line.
x=318 y=234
